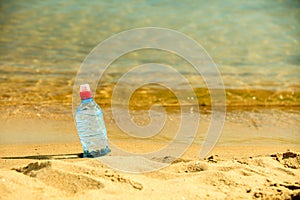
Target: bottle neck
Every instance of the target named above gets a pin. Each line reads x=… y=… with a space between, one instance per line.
x=87 y=100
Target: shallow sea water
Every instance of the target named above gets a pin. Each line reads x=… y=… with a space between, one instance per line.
x=255 y=45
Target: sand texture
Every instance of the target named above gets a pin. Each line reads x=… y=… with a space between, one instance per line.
x=222 y=175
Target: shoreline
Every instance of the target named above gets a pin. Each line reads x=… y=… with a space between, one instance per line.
x=246 y=127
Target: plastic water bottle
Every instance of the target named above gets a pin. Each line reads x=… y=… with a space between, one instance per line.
x=90 y=125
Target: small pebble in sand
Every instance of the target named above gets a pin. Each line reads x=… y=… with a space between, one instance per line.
x=212 y=159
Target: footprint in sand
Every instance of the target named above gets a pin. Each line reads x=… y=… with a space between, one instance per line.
x=66 y=181
x=72 y=178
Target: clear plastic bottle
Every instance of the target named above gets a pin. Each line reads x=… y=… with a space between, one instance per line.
x=90 y=125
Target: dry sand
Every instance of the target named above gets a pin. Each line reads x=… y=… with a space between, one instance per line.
x=269 y=172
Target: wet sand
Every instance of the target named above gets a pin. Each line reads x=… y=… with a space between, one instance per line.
x=252 y=126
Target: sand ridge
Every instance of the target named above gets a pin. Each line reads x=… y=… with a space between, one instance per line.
x=273 y=176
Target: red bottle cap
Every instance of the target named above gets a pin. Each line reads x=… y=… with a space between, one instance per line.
x=85 y=91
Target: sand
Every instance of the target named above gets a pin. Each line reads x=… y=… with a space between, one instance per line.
x=54 y=171
x=256 y=157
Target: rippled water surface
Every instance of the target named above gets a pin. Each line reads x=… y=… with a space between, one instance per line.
x=254 y=43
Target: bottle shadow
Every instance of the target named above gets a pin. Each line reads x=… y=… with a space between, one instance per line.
x=48 y=157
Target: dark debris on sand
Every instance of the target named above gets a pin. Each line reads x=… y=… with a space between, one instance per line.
x=288 y=159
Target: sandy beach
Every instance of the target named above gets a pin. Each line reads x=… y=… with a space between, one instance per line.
x=167 y=69
x=53 y=171
x=36 y=168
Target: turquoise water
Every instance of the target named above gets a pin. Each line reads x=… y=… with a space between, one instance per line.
x=254 y=43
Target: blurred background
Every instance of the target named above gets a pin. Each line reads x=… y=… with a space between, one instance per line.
x=254 y=43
